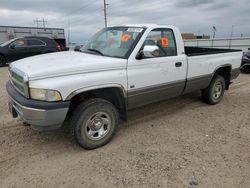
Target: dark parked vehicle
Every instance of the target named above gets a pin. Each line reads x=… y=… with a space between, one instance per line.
x=19 y=48
x=245 y=64
x=77 y=48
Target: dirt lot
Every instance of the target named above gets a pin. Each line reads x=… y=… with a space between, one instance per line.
x=177 y=143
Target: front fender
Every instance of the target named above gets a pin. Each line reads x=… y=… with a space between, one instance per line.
x=103 y=86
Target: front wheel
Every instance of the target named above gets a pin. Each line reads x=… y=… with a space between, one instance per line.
x=213 y=94
x=2 y=61
x=95 y=122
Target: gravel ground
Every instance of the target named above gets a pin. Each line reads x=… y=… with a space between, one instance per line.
x=176 y=143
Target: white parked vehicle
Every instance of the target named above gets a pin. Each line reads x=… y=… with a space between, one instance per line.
x=120 y=68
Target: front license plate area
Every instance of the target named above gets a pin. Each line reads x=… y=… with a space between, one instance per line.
x=12 y=110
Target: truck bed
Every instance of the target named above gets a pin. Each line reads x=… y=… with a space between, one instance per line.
x=201 y=68
x=197 y=51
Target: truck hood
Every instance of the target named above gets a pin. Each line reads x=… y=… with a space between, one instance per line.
x=66 y=63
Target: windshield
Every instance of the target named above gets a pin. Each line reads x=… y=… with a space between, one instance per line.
x=113 y=41
x=6 y=43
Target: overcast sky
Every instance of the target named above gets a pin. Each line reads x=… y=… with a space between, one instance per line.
x=86 y=17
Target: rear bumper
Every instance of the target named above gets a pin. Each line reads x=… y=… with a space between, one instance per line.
x=39 y=114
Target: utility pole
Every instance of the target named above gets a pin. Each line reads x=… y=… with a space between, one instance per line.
x=68 y=33
x=232 y=31
x=105 y=12
x=231 y=36
x=43 y=21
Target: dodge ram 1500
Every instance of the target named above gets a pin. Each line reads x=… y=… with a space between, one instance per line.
x=118 y=69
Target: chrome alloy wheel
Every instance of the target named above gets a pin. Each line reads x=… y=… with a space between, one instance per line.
x=98 y=125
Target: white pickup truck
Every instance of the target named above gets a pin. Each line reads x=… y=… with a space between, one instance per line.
x=118 y=69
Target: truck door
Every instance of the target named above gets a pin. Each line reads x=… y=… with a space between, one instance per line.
x=163 y=76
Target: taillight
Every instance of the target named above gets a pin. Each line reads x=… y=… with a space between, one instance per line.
x=58 y=47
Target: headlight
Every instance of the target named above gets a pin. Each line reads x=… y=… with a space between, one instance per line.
x=45 y=95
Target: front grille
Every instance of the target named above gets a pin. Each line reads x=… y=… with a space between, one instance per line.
x=19 y=81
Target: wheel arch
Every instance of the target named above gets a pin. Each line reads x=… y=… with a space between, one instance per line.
x=1 y=54
x=5 y=58
x=113 y=93
x=224 y=71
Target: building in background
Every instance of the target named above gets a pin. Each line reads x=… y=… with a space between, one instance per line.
x=193 y=36
x=10 y=32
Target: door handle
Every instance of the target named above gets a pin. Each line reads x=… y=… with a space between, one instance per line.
x=178 y=64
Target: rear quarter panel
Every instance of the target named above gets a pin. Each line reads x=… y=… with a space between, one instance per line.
x=202 y=68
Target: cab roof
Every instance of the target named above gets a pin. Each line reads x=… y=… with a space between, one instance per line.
x=149 y=25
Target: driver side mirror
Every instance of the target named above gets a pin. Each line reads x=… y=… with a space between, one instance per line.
x=13 y=46
x=150 y=51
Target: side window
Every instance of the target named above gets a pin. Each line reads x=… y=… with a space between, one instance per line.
x=35 y=42
x=164 y=39
x=20 y=43
x=171 y=49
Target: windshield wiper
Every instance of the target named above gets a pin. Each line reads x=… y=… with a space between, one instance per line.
x=94 y=50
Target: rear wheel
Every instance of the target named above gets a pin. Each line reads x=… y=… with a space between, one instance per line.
x=2 y=61
x=213 y=94
x=95 y=122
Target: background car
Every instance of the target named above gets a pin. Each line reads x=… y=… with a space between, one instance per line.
x=245 y=64
x=19 y=48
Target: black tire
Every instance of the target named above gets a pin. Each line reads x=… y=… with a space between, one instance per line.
x=2 y=61
x=213 y=94
x=91 y=115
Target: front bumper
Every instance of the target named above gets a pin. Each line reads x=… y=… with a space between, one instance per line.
x=40 y=115
x=245 y=65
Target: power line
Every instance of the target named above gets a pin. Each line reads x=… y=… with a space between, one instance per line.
x=72 y=12
x=78 y=9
